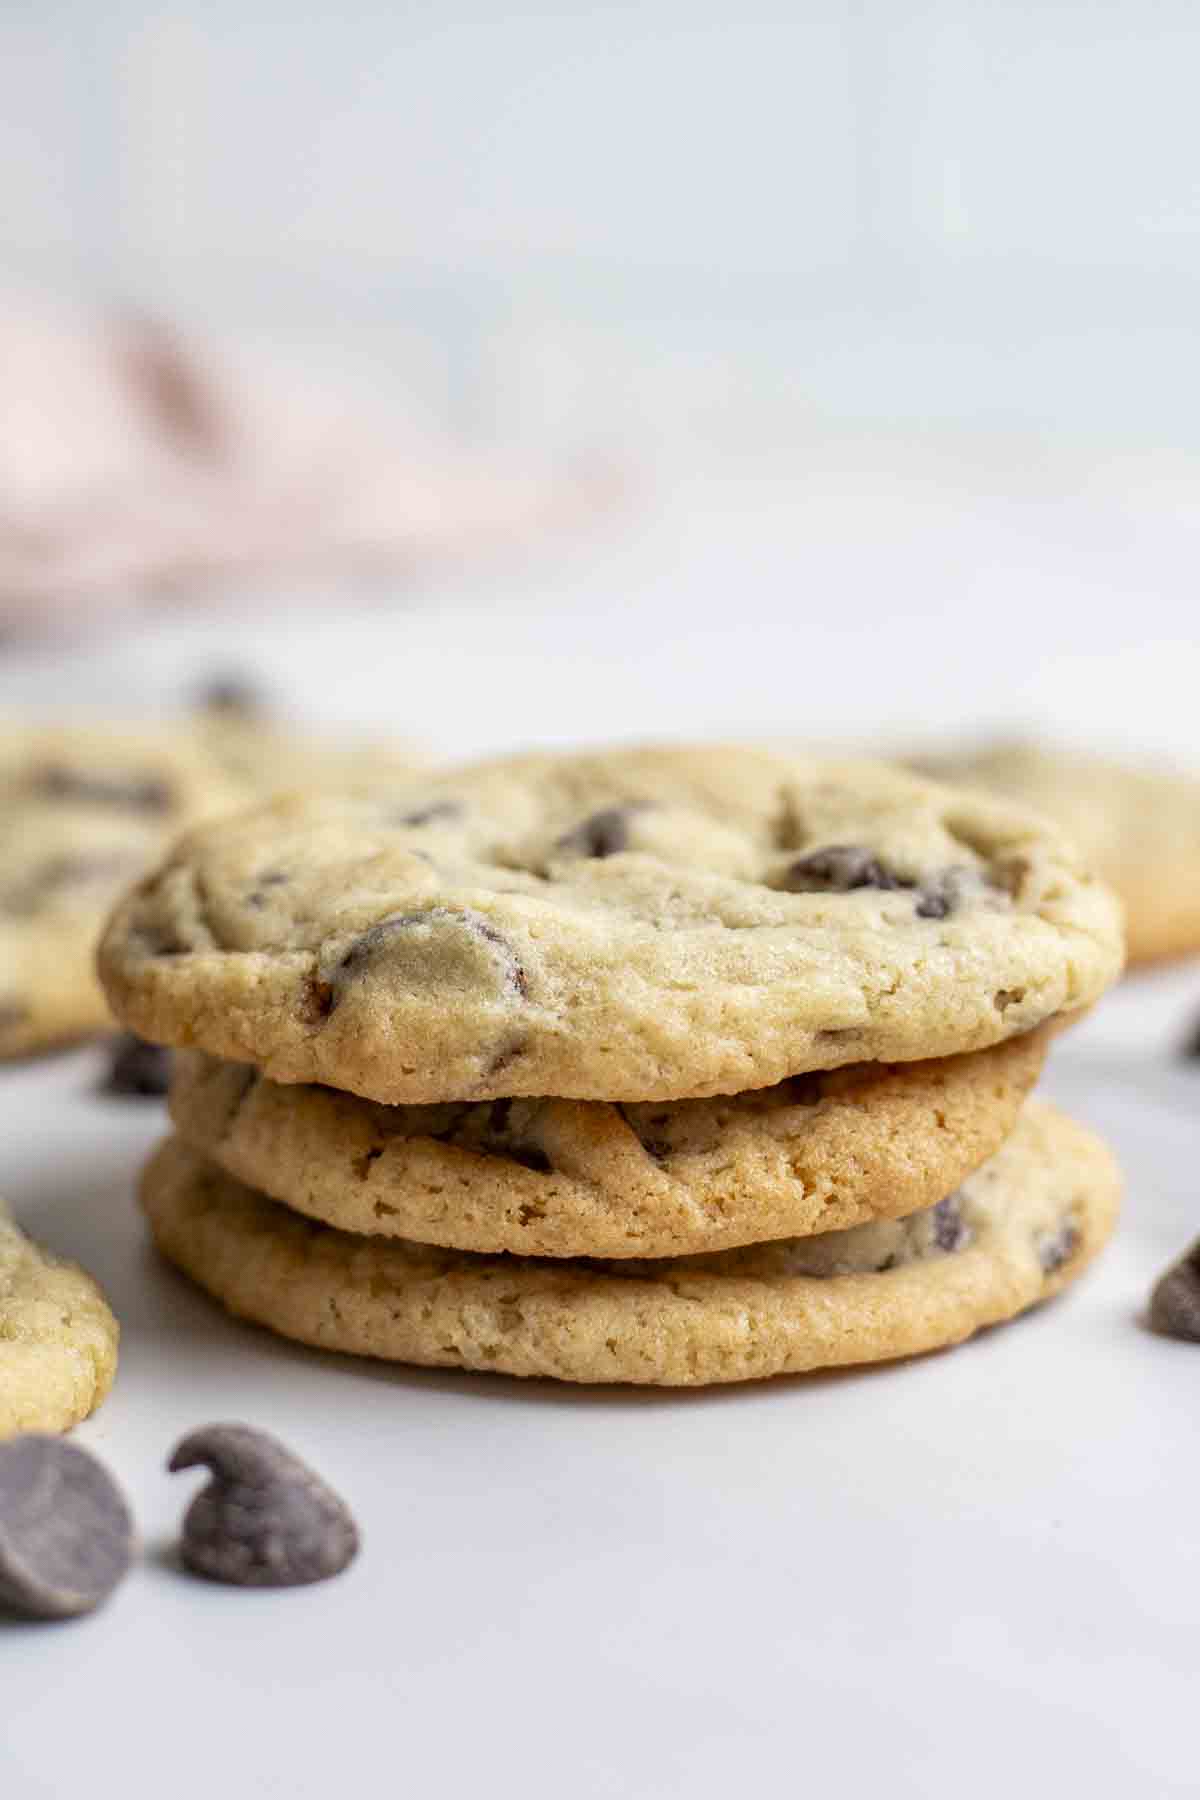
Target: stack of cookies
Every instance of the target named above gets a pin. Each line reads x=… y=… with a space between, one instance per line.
x=659 y=1066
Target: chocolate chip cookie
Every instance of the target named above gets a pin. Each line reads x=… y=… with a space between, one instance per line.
x=85 y=810
x=58 y=1339
x=629 y=925
x=1018 y=1230
x=1138 y=827
x=815 y=1153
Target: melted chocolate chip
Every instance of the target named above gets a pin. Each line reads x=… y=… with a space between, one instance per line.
x=605 y=833
x=265 y=1519
x=838 y=869
x=1175 y=1301
x=437 y=812
x=66 y=1533
x=148 y=794
x=1059 y=1248
x=950 y=1230
x=137 y=1069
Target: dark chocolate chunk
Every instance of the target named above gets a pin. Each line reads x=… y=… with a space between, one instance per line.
x=143 y=794
x=1175 y=1300
x=136 y=1068
x=605 y=833
x=838 y=869
x=66 y=1533
x=1191 y=1044
x=265 y=1519
x=378 y=936
x=950 y=1230
x=1058 y=1248
x=436 y=812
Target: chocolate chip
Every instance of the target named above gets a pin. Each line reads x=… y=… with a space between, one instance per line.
x=935 y=902
x=136 y=1068
x=605 y=833
x=1175 y=1300
x=265 y=1519
x=234 y=694
x=950 y=1230
x=837 y=869
x=148 y=794
x=66 y=1533
x=1190 y=1048
x=380 y=935
x=436 y=812
x=498 y=1117
x=1059 y=1248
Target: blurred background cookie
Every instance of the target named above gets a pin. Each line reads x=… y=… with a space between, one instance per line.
x=1136 y=824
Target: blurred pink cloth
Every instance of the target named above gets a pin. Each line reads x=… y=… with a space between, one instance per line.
x=135 y=465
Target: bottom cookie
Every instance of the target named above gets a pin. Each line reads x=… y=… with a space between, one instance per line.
x=58 y=1339
x=1017 y=1231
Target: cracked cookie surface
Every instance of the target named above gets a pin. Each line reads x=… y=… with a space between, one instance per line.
x=819 y=1152
x=58 y=1339
x=623 y=925
x=1016 y=1231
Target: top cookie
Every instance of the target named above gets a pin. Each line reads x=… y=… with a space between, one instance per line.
x=1138 y=827
x=626 y=925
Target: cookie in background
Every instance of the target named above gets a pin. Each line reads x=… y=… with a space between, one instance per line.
x=88 y=807
x=1136 y=824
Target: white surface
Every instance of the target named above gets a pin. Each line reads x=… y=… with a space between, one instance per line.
x=960 y=1575
x=973 y=1574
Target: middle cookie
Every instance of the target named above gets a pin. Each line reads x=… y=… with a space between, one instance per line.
x=820 y=1152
